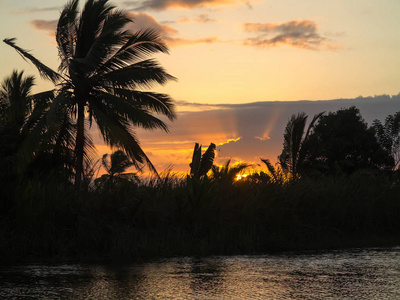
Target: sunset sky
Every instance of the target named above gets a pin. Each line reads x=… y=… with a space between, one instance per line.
x=228 y=54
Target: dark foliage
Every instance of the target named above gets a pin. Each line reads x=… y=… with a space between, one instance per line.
x=103 y=71
x=342 y=142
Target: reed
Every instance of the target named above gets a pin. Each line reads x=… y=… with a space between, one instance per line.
x=185 y=216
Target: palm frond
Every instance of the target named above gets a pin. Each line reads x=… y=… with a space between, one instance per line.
x=207 y=160
x=312 y=123
x=142 y=74
x=119 y=162
x=66 y=33
x=35 y=136
x=106 y=162
x=91 y=20
x=89 y=152
x=116 y=132
x=155 y=102
x=129 y=110
x=292 y=140
x=270 y=167
x=44 y=71
x=137 y=46
x=196 y=158
x=108 y=41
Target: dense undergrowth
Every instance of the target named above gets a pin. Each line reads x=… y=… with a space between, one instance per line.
x=43 y=220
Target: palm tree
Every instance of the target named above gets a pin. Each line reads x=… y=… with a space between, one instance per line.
x=103 y=71
x=294 y=150
x=116 y=166
x=227 y=173
x=16 y=99
x=273 y=174
x=17 y=105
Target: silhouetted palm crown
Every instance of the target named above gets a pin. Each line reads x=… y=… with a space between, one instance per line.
x=103 y=69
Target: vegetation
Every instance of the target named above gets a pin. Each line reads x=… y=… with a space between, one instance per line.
x=167 y=217
x=388 y=136
x=336 y=184
x=103 y=68
x=295 y=144
x=341 y=142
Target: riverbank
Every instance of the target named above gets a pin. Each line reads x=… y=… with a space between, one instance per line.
x=180 y=217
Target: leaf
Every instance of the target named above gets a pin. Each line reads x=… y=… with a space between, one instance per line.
x=44 y=71
x=207 y=160
x=196 y=158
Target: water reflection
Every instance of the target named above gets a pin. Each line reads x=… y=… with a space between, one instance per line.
x=367 y=274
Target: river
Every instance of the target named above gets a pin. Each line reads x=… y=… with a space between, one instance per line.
x=349 y=274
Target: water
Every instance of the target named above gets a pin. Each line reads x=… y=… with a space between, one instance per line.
x=355 y=274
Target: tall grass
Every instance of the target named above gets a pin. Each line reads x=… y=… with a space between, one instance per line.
x=186 y=216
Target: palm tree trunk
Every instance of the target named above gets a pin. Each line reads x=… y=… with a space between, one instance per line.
x=79 y=144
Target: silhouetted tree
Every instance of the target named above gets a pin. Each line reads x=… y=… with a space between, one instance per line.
x=227 y=173
x=295 y=148
x=342 y=141
x=388 y=136
x=201 y=164
x=18 y=104
x=116 y=166
x=103 y=67
x=273 y=174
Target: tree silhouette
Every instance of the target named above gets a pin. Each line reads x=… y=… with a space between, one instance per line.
x=388 y=135
x=201 y=164
x=342 y=142
x=103 y=69
x=294 y=147
x=116 y=166
x=273 y=174
x=17 y=105
x=227 y=173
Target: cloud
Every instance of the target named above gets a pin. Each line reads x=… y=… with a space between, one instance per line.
x=248 y=149
x=173 y=42
x=140 y=21
x=38 y=10
x=239 y=130
x=47 y=25
x=200 y=19
x=300 y=34
x=260 y=127
x=143 y=20
x=186 y=4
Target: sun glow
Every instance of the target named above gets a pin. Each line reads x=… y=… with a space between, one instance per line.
x=241 y=176
x=229 y=140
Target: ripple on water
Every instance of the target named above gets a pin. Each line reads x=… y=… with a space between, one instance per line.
x=360 y=274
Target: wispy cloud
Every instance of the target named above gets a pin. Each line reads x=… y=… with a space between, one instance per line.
x=187 y=4
x=141 y=21
x=38 y=10
x=169 y=33
x=200 y=19
x=300 y=34
x=173 y=42
x=47 y=25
